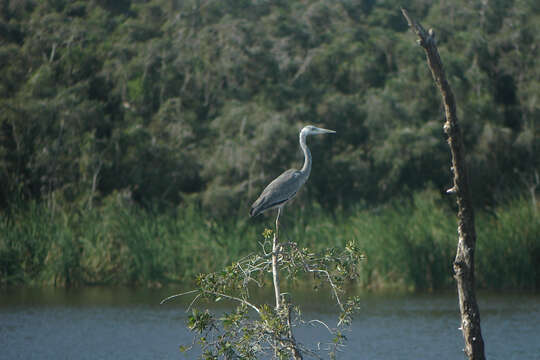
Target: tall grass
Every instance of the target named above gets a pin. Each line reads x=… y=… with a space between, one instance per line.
x=509 y=247
x=408 y=243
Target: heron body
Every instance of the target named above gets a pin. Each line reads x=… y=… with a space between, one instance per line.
x=283 y=189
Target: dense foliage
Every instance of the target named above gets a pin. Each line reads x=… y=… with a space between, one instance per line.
x=124 y=124
x=169 y=101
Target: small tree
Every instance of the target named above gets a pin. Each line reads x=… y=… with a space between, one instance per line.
x=238 y=334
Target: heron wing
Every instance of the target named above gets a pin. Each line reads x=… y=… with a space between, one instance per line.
x=283 y=188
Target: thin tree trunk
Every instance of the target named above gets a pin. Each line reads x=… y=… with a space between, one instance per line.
x=295 y=352
x=292 y=345
x=275 y=268
x=464 y=261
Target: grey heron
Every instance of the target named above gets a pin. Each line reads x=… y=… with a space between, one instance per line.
x=285 y=186
x=282 y=190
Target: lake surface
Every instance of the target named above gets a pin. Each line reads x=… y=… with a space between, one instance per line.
x=112 y=323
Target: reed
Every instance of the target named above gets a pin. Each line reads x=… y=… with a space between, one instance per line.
x=509 y=247
x=408 y=243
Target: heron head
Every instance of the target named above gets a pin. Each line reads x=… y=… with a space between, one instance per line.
x=313 y=130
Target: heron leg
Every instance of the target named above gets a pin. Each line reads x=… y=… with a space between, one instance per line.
x=277 y=220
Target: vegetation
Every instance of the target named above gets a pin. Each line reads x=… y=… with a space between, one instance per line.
x=170 y=101
x=252 y=330
x=408 y=244
x=134 y=135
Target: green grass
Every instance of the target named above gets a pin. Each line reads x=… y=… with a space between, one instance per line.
x=408 y=244
x=509 y=247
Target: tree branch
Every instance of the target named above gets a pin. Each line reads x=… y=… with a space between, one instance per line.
x=464 y=261
x=275 y=267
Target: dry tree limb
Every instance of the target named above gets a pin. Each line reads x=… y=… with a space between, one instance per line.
x=464 y=261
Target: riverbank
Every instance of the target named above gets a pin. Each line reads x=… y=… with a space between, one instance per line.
x=408 y=244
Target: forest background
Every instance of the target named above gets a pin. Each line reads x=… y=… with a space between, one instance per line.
x=135 y=134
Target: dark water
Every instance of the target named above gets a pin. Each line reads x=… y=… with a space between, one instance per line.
x=101 y=323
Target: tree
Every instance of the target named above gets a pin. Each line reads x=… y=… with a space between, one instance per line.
x=251 y=329
x=464 y=261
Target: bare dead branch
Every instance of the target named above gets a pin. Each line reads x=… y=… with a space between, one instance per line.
x=464 y=261
x=177 y=295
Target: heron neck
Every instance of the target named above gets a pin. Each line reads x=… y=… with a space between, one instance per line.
x=306 y=169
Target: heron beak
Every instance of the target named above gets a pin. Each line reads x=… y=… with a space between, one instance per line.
x=325 y=131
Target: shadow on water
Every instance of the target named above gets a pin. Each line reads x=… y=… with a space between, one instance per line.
x=126 y=323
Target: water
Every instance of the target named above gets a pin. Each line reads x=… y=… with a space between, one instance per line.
x=104 y=323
